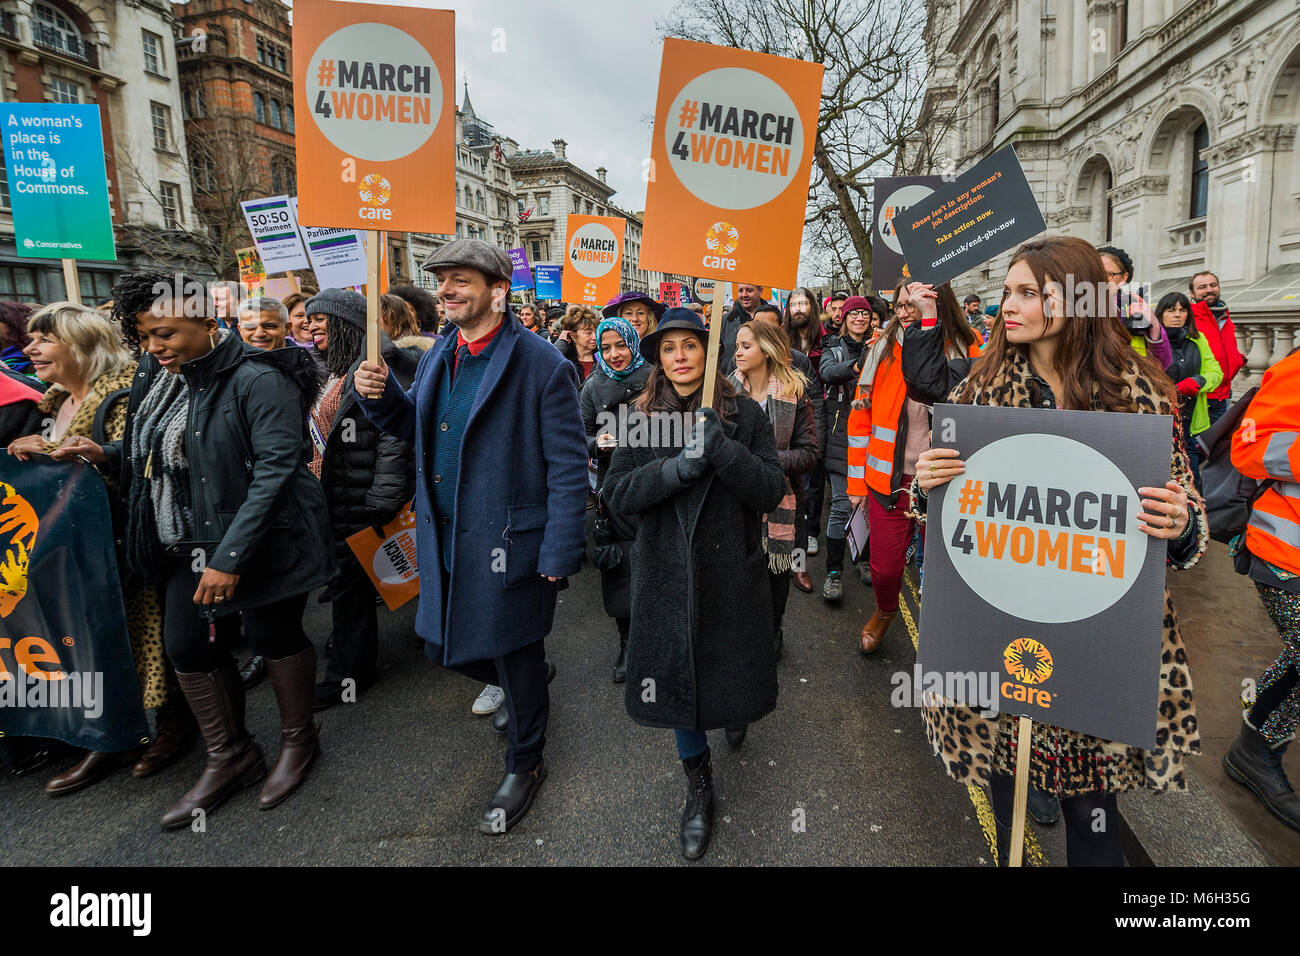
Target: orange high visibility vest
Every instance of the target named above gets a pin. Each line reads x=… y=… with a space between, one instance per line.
x=873 y=432
x=1267 y=445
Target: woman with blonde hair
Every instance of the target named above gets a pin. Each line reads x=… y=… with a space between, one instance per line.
x=79 y=351
x=764 y=372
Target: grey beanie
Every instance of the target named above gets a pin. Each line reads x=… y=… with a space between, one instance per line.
x=344 y=303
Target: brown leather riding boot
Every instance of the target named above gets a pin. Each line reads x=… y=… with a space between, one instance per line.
x=874 y=630
x=234 y=758
x=175 y=734
x=87 y=771
x=294 y=681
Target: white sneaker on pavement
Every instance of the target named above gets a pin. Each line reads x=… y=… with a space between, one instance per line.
x=813 y=547
x=489 y=700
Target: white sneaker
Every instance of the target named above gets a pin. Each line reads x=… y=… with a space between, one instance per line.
x=489 y=700
x=812 y=546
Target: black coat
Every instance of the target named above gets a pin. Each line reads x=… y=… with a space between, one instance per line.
x=928 y=372
x=368 y=476
x=817 y=395
x=259 y=512
x=840 y=374
x=701 y=602
x=600 y=393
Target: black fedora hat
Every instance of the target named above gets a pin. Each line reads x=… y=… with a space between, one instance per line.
x=676 y=318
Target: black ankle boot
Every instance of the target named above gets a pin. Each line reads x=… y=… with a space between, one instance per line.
x=697 y=816
x=620 y=665
x=1252 y=762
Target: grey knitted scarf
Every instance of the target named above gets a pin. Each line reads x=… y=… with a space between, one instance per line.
x=160 y=507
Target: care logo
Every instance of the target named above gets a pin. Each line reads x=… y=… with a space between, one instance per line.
x=722 y=238
x=1027 y=661
x=375 y=190
x=18 y=525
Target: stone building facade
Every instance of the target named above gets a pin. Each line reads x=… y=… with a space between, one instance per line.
x=1164 y=127
x=122 y=57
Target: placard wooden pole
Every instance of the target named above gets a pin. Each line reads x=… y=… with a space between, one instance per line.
x=373 y=240
x=711 y=356
x=70 y=283
x=1021 y=801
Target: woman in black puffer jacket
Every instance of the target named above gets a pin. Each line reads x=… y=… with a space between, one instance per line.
x=841 y=366
x=607 y=396
x=368 y=477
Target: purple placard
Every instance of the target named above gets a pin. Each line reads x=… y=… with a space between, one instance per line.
x=523 y=276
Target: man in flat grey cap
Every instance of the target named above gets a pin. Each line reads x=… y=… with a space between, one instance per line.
x=500 y=499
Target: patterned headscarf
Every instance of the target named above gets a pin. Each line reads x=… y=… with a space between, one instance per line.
x=624 y=328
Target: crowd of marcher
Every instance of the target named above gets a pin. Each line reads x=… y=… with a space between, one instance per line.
x=259 y=430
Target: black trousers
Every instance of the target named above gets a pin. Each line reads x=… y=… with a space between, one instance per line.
x=355 y=648
x=1091 y=824
x=814 y=498
x=522 y=675
x=780 y=595
x=274 y=630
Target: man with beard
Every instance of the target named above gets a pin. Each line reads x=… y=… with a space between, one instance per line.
x=834 y=307
x=499 y=499
x=1215 y=322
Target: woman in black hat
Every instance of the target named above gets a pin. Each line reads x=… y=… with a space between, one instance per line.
x=701 y=653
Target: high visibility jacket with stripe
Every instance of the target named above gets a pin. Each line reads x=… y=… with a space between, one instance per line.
x=1266 y=446
x=878 y=435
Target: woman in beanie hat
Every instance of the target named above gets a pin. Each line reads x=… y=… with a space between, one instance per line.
x=606 y=399
x=699 y=482
x=213 y=460
x=368 y=477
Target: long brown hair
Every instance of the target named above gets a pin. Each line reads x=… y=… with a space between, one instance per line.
x=956 y=330
x=774 y=345
x=1093 y=351
x=660 y=396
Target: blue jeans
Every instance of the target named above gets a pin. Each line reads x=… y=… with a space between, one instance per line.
x=691 y=743
x=1217 y=406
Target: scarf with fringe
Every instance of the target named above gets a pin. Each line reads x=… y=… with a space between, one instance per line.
x=779 y=523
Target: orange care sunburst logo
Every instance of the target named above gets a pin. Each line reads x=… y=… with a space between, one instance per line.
x=18 y=527
x=375 y=190
x=722 y=238
x=1027 y=661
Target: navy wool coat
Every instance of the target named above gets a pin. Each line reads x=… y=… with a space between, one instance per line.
x=521 y=495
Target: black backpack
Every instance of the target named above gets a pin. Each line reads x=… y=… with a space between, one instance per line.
x=1229 y=495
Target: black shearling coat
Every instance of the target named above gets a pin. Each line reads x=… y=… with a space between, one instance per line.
x=701 y=600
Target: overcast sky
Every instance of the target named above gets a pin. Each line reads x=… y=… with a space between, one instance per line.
x=585 y=73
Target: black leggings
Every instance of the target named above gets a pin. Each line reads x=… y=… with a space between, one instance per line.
x=780 y=595
x=1091 y=824
x=274 y=630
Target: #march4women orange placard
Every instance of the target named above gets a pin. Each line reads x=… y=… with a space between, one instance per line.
x=593 y=259
x=732 y=153
x=372 y=89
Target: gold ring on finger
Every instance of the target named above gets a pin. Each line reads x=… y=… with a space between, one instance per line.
x=1173 y=522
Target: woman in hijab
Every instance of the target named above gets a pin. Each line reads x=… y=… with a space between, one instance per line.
x=620 y=376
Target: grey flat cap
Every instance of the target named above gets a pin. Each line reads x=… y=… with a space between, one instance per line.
x=488 y=259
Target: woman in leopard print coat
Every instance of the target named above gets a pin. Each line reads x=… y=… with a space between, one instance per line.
x=1081 y=361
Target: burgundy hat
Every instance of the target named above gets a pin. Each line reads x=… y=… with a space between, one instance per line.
x=611 y=309
x=855 y=302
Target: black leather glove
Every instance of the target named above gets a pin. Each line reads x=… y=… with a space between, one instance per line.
x=691 y=464
x=708 y=431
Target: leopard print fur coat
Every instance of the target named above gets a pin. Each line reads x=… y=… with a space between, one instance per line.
x=1065 y=762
